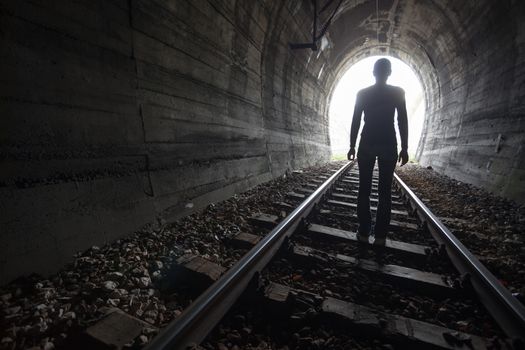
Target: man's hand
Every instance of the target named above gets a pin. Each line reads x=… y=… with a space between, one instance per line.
x=351 y=154
x=403 y=157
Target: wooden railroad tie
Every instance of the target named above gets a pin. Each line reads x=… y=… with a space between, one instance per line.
x=113 y=331
x=428 y=282
x=197 y=273
x=244 y=240
x=359 y=318
x=270 y=221
x=354 y=205
x=264 y=220
x=353 y=179
x=409 y=249
x=354 y=198
x=373 y=194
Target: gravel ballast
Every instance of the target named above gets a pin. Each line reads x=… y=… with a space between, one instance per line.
x=491 y=227
x=45 y=312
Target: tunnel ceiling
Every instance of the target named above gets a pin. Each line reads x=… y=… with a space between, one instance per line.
x=426 y=35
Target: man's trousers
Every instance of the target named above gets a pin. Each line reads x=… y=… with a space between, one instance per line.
x=386 y=162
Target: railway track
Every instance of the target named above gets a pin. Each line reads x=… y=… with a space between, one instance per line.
x=308 y=283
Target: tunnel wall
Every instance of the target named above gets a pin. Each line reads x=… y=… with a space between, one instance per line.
x=116 y=113
x=477 y=133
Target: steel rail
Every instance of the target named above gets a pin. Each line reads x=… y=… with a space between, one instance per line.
x=198 y=319
x=508 y=312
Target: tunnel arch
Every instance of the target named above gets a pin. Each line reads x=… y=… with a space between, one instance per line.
x=467 y=55
x=426 y=75
x=357 y=74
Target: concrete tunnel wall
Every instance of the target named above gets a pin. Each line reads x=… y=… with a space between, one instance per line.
x=115 y=113
x=118 y=112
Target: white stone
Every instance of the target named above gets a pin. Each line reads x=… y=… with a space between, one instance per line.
x=110 y=285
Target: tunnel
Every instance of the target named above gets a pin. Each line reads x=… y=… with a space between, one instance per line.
x=117 y=114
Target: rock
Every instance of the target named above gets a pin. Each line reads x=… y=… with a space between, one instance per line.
x=462 y=325
x=151 y=314
x=118 y=293
x=318 y=343
x=49 y=346
x=115 y=275
x=38 y=328
x=6 y=340
x=305 y=331
x=70 y=315
x=144 y=282
x=263 y=346
x=113 y=302
x=13 y=310
x=305 y=342
x=143 y=340
x=234 y=337
x=110 y=285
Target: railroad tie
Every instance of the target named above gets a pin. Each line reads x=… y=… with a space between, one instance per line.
x=431 y=283
x=351 y=197
x=113 y=331
x=198 y=271
x=295 y=195
x=269 y=221
x=373 y=194
x=354 y=206
x=414 y=250
x=394 y=327
x=244 y=240
x=264 y=220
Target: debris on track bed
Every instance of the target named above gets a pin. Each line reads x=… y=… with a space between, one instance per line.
x=324 y=274
x=129 y=273
x=134 y=278
x=491 y=227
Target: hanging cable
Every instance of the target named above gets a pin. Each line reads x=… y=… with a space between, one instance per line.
x=316 y=37
x=325 y=27
x=377 y=21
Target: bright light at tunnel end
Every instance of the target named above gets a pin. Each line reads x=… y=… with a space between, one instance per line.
x=359 y=76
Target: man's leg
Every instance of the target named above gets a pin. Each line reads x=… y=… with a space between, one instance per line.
x=386 y=163
x=366 y=162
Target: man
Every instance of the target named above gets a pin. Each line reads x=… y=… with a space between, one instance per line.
x=378 y=139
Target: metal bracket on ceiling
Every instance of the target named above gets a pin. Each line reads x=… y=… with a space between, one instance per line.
x=316 y=37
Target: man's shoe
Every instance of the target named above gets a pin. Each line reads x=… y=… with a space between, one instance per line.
x=362 y=238
x=380 y=241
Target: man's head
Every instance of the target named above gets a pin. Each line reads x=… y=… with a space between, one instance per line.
x=382 y=70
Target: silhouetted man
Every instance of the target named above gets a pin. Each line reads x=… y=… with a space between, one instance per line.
x=378 y=139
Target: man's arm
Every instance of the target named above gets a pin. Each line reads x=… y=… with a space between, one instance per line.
x=356 y=119
x=356 y=123
x=402 y=121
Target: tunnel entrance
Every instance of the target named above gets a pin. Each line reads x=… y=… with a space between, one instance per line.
x=359 y=76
